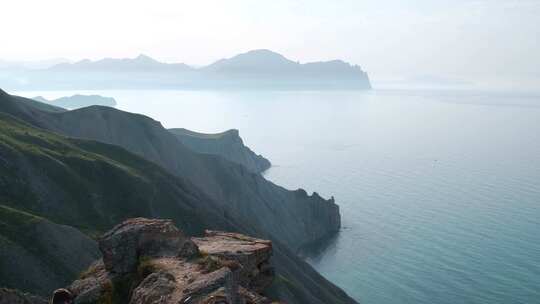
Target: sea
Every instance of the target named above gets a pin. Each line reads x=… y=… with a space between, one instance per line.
x=439 y=190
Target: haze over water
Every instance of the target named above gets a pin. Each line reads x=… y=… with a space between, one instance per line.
x=439 y=190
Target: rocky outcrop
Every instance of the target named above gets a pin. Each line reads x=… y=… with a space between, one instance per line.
x=122 y=246
x=253 y=254
x=151 y=261
x=228 y=145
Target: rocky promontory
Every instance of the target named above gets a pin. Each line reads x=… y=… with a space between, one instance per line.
x=228 y=145
x=152 y=261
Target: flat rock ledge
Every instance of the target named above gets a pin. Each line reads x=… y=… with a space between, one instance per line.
x=151 y=261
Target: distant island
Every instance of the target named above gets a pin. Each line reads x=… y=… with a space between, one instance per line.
x=257 y=69
x=79 y=101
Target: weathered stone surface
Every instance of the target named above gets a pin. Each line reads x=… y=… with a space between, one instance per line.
x=158 y=287
x=126 y=243
x=92 y=284
x=151 y=261
x=252 y=254
x=12 y=296
x=179 y=281
x=252 y=297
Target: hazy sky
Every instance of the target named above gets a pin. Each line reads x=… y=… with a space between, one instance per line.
x=482 y=40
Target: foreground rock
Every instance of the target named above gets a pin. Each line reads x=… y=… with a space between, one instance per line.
x=151 y=261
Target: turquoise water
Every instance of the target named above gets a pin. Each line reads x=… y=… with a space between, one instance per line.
x=439 y=190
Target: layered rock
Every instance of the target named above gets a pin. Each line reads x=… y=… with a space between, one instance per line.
x=151 y=261
x=253 y=254
x=228 y=145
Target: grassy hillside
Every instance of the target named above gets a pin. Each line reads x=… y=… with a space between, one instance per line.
x=38 y=255
x=90 y=185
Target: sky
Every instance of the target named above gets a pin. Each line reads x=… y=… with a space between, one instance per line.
x=478 y=41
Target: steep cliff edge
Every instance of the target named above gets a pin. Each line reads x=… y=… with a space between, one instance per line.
x=151 y=261
x=293 y=217
x=91 y=186
x=228 y=144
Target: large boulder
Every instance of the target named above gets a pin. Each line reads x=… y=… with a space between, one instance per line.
x=134 y=238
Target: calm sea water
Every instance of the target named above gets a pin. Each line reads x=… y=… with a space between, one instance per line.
x=439 y=190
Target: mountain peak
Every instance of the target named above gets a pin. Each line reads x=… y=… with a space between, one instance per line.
x=262 y=54
x=261 y=58
x=144 y=58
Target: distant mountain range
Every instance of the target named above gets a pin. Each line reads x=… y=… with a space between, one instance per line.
x=141 y=63
x=254 y=69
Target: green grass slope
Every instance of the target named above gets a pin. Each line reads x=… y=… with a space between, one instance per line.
x=91 y=185
x=38 y=255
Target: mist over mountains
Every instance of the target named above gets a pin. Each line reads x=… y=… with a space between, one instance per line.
x=140 y=63
x=260 y=69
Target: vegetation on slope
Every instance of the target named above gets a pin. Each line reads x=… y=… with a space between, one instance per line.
x=87 y=184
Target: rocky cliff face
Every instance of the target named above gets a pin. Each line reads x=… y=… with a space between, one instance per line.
x=228 y=145
x=89 y=186
x=293 y=217
x=151 y=261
